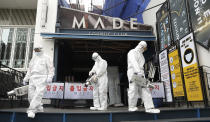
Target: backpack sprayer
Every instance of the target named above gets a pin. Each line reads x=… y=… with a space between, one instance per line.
x=140 y=80
x=92 y=79
x=20 y=91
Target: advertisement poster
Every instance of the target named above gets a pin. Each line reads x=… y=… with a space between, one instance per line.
x=190 y=69
x=179 y=19
x=165 y=77
x=176 y=74
x=54 y=91
x=78 y=91
x=163 y=26
x=158 y=91
x=200 y=18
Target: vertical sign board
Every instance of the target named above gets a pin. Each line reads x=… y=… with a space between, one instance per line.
x=190 y=69
x=165 y=77
x=179 y=19
x=163 y=27
x=176 y=76
x=200 y=18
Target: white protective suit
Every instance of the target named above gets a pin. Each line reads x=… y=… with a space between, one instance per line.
x=136 y=65
x=100 y=89
x=40 y=72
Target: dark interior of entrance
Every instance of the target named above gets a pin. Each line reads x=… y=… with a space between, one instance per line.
x=74 y=58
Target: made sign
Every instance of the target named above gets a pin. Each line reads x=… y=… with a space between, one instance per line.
x=76 y=19
x=190 y=69
x=175 y=70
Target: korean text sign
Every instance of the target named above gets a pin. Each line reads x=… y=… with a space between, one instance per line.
x=78 y=91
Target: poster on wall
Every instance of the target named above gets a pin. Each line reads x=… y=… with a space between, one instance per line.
x=200 y=18
x=78 y=91
x=190 y=69
x=176 y=74
x=163 y=26
x=54 y=91
x=165 y=77
x=179 y=19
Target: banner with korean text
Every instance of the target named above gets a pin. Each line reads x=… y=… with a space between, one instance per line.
x=78 y=91
x=158 y=91
x=54 y=91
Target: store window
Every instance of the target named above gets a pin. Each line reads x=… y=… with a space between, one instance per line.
x=6 y=45
x=31 y=44
x=16 y=46
x=20 y=47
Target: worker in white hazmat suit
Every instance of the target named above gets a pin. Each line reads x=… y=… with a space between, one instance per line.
x=136 y=65
x=100 y=88
x=40 y=72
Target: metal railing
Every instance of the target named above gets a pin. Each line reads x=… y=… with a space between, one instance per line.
x=206 y=73
x=205 y=77
x=9 y=79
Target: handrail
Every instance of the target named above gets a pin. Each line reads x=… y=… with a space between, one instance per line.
x=9 y=79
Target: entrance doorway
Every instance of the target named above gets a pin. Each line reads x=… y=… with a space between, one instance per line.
x=74 y=59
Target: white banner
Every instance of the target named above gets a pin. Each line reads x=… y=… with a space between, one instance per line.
x=54 y=91
x=78 y=91
x=158 y=91
x=165 y=77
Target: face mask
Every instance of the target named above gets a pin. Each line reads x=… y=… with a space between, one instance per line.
x=38 y=53
x=141 y=49
x=94 y=58
x=97 y=59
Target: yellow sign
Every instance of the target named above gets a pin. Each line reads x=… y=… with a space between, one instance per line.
x=190 y=69
x=192 y=83
x=176 y=77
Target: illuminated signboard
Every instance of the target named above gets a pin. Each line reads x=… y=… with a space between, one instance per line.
x=163 y=27
x=179 y=19
x=200 y=18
